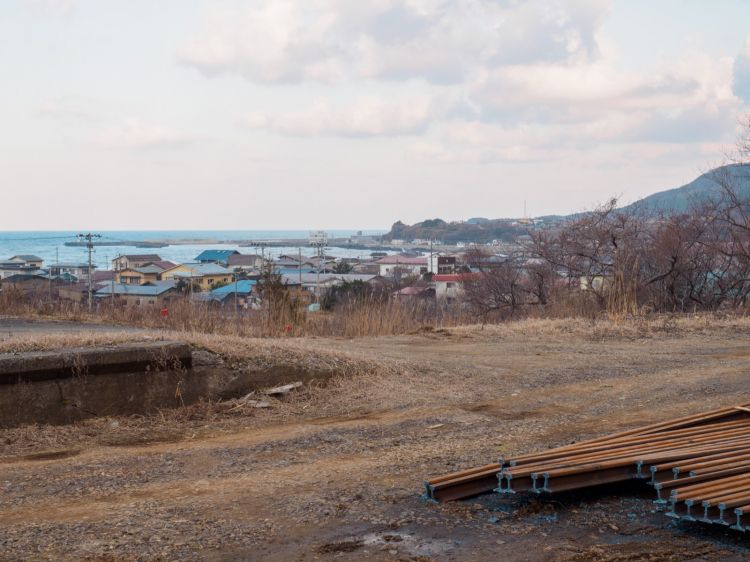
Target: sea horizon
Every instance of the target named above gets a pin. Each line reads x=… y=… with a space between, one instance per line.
x=50 y=244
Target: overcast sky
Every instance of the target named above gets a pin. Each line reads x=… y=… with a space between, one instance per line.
x=198 y=114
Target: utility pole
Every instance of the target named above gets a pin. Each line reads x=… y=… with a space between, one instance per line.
x=430 y=268
x=89 y=238
x=115 y=269
x=318 y=240
x=317 y=279
x=299 y=254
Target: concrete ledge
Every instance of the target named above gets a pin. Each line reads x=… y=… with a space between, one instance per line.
x=38 y=366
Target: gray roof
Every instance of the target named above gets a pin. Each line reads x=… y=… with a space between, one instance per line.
x=308 y=278
x=203 y=269
x=66 y=264
x=149 y=269
x=150 y=290
x=27 y=257
x=243 y=259
x=140 y=257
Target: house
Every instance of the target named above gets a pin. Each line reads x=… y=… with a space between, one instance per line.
x=104 y=276
x=28 y=283
x=161 y=264
x=243 y=290
x=77 y=270
x=204 y=275
x=310 y=281
x=139 y=275
x=415 y=293
x=285 y=261
x=324 y=264
x=441 y=264
x=29 y=260
x=126 y=261
x=367 y=268
x=245 y=262
x=75 y=292
x=391 y=266
x=449 y=286
x=478 y=260
x=215 y=256
x=10 y=268
x=293 y=286
x=156 y=294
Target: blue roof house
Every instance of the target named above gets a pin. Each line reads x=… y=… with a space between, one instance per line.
x=215 y=256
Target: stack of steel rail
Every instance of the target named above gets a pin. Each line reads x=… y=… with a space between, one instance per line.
x=702 y=461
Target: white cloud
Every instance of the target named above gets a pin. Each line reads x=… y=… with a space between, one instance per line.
x=136 y=134
x=367 y=117
x=436 y=40
x=494 y=80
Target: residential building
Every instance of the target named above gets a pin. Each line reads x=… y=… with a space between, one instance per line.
x=156 y=294
x=28 y=282
x=104 y=276
x=285 y=261
x=441 y=264
x=245 y=262
x=324 y=263
x=161 y=264
x=204 y=275
x=393 y=266
x=126 y=261
x=367 y=268
x=310 y=281
x=243 y=290
x=220 y=257
x=139 y=275
x=450 y=286
x=29 y=260
x=75 y=292
x=415 y=293
x=78 y=270
x=10 y=268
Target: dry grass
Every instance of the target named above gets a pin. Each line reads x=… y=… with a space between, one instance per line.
x=19 y=343
x=320 y=354
x=593 y=329
x=432 y=370
x=356 y=318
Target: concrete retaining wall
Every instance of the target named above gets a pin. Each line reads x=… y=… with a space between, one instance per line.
x=59 y=387
x=38 y=366
x=72 y=384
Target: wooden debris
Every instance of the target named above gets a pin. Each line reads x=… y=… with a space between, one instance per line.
x=284 y=389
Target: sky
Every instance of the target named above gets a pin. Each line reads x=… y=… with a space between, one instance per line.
x=279 y=114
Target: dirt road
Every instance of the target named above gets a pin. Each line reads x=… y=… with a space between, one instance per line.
x=335 y=472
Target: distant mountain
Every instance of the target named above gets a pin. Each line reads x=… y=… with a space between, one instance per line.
x=450 y=233
x=483 y=230
x=706 y=186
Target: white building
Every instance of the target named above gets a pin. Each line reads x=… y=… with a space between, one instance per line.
x=390 y=266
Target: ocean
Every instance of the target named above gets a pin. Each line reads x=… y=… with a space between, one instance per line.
x=50 y=246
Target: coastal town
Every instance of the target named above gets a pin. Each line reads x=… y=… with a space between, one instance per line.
x=230 y=280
